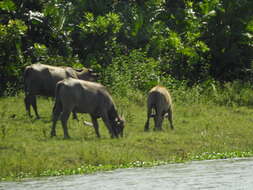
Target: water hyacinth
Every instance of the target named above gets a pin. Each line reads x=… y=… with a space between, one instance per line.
x=221 y=155
x=87 y=169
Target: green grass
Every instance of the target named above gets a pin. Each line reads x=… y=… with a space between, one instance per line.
x=202 y=131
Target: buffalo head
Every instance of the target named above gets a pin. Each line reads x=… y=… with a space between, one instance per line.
x=118 y=126
x=86 y=74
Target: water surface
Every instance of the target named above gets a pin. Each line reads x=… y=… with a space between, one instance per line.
x=216 y=174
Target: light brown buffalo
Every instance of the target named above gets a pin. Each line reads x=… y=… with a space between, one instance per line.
x=159 y=105
x=41 y=79
x=86 y=97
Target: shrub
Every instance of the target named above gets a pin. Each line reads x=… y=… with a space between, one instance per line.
x=133 y=71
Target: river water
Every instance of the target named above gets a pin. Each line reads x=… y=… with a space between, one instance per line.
x=215 y=174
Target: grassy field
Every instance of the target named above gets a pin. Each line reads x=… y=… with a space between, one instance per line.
x=202 y=131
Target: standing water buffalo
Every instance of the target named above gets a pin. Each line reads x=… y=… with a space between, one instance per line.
x=159 y=99
x=86 y=97
x=40 y=79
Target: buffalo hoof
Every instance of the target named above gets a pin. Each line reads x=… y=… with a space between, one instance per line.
x=66 y=137
x=146 y=128
x=53 y=134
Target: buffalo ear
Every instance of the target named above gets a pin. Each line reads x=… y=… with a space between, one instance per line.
x=122 y=118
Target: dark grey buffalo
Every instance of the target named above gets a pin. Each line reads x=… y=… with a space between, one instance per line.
x=86 y=97
x=159 y=105
x=40 y=79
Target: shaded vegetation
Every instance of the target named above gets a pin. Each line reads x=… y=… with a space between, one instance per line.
x=190 y=41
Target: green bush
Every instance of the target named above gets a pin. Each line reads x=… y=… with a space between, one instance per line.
x=237 y=93
x=134 y=71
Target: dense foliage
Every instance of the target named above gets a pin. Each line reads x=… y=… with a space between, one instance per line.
x=138 y=41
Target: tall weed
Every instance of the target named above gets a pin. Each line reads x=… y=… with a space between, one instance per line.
x=133 y=71
x=235 y=93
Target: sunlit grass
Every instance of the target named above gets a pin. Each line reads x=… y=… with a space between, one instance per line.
x=202 y=131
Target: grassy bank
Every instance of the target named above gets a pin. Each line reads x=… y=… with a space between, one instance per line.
x=203 y=130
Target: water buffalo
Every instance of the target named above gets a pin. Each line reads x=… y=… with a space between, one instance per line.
x=159 y=100
x=41 y=79
x=86 y=97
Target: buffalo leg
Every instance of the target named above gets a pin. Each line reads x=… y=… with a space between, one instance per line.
x=170 y=119
x=74 y=115
x=28 y=104
x=107 y=122
x=158 y=120
x=159 y=123
x=56 y=113
x=34 y=105
x=95 y=125
x=146 y=128
x=64 y=120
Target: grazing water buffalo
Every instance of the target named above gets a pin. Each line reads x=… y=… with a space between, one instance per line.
x=86 y=97
x=40 y=79
x=159 y=100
